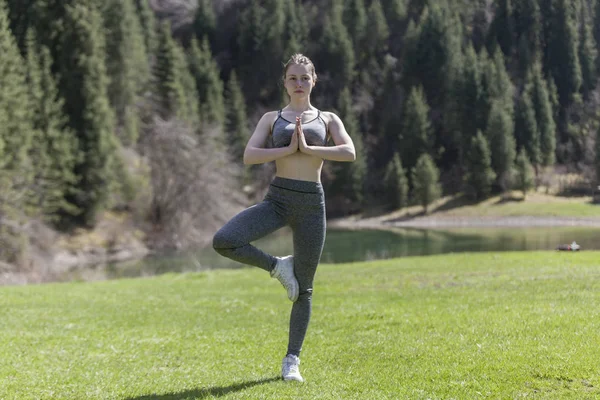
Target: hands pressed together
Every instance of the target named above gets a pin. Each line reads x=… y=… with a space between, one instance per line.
x=298 y=141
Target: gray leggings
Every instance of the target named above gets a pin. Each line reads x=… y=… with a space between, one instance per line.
x=300 y=205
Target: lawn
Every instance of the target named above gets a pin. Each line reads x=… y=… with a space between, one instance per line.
x=459 y=326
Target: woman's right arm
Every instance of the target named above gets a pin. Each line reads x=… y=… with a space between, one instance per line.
x=255 y=152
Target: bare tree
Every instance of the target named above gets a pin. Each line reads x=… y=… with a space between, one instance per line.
x=195 y=186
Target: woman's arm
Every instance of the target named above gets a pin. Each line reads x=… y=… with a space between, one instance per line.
x=255 y=152
x=343 y=149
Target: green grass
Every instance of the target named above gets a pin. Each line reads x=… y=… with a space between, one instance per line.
x=464 y=326
x=536 y=205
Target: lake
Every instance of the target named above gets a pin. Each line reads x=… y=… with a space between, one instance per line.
x=343 y=246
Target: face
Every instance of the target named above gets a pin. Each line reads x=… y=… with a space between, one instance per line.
x=299 y=80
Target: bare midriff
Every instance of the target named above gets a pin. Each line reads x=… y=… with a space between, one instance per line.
x=300 y=166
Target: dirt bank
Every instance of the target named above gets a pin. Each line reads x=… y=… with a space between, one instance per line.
x=49 y=254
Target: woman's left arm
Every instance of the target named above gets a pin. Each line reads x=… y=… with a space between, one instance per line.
x=343 y=149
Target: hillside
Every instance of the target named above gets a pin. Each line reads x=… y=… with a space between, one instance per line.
x=537 y=209
x=142 y=109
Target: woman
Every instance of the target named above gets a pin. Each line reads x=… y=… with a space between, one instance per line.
x=295 y=197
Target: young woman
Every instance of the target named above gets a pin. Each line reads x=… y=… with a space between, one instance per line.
x=295 y=137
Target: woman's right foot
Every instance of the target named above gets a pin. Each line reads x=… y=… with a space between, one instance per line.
x=284 y=272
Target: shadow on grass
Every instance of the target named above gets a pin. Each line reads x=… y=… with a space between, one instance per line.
x=458 y=201
x=510 y=199
x=405 y=217
x=216 y=391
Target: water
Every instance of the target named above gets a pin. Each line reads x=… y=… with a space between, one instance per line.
x=347 y=246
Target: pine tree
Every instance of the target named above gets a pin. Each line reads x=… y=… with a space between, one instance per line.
x=250 y=41
x=236 y=121
x=415 y=138
x=396 y=183
x=480 y=175
x=170 y=92
x=21 y=18
x=208 y=83
x=425 y=177
x=429 y=59
x=452 y=139
x=337 y=55
x=149 y=26
x=471 y=95
x=351 y=177
x=488 y=73
x=272 y=51
x=502 y=29
x=205 y=23
x=297 y=28
x=587 y=55
x=54 y=146
x=376 y=39
x=561 y=56
x=526 y=124
x=15 y=128
x=544 y=118
x=410 y=77
x=596 y=31
x=499 y=133
x=190 y=111
x=355 y=20
x=553 y=95
x=528 y=28
x=396 y=13
x=502 y=88
x=126 y=65
x=84 y=88
x=262 y=42
x=496 y=87
x=386 y=120
x=524 y=173
x=524 y=56
x=372 y=52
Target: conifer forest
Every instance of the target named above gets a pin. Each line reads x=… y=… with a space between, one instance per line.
x=144 y=107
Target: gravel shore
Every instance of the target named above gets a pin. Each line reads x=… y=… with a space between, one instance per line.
x=464 y=222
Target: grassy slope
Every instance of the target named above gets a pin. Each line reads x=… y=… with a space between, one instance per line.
x=512 y=205
x=535 y=204
x=460 y=326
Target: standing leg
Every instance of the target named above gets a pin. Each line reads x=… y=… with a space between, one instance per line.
x=309 y=238
x=233 y=239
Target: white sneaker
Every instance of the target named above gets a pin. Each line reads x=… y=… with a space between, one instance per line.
x=284 y=272
x=290 y=368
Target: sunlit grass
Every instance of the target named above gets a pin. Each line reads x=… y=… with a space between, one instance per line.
x=506 y=325
x=535 y=204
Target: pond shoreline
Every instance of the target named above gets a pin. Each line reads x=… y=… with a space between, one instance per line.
x=439 y=222
x=91 y=258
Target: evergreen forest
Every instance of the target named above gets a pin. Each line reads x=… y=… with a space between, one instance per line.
x=144 y=107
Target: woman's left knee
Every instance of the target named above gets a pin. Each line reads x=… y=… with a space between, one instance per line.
x=305 y=295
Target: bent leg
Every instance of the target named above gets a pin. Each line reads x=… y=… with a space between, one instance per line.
x=309 y=238
x=233 y=239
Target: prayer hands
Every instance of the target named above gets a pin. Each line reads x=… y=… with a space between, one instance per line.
x=302 y=146
x=294 y=142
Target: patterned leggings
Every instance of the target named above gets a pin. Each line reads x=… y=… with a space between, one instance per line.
x=289 y=202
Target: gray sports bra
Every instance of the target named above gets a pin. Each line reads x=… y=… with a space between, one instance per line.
x=315 y=131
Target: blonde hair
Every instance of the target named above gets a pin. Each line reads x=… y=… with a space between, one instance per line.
x=300 y=59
